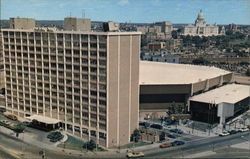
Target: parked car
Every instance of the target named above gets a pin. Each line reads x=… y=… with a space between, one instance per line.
x=171 y=136
x=165 y=145
x=144 y=124
x=55 y=136
x=178 y=131
x=135 y=154
x=156 y=126
x=177 y=143
x=244 y=129
x=25 y=123
x=233 y=132
x=224 y=133
x=11 y=116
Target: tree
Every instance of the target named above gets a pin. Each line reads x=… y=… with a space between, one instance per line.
x=162 y=136
x=90 y=145
x=248 y=72
x=200 y=61
x=135 y=136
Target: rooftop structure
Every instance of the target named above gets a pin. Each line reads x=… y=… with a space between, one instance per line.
x=231 y=93
x=157 y=73
x=77 y=24
x=22 y=23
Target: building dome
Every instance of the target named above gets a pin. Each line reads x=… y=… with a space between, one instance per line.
x=201 y=15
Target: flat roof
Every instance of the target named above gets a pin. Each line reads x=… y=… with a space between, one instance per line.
x=231 y=93
x=74 y=32
x=159 y=73
x=44 y=119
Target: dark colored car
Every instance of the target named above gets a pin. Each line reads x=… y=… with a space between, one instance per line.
x=178 y=131
x=25 y=123
x=55 y=136
x=177 y=143
x=172 y=136
x=233 y=132
x=156 y=126
x=144 y=124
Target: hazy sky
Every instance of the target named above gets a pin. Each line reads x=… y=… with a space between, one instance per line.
x=176 y=11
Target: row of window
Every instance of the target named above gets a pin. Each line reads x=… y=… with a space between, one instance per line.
x=45 y=35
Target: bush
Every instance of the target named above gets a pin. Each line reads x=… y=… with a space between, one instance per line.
x=135 y=136
x=90 y=145
x=248 y=72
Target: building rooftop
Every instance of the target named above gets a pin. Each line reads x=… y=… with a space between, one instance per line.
x=49 y=29
x=231 y=93
x=159 y=73
x=44 y=119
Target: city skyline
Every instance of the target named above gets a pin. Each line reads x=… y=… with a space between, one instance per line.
x=141 y=11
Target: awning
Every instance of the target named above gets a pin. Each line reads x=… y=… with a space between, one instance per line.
x=44 y=119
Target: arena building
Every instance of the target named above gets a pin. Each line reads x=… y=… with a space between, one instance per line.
x=167 y=87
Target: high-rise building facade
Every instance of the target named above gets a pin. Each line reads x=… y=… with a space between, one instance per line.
x=87 y=80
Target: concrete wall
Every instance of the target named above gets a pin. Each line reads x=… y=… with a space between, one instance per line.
x=77 y=24
x=123 y=88
x=22 y=23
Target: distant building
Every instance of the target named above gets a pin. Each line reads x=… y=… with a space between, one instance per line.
x=200 y=28
x=222 y=30
x=157 y=31
x=166 y=27
x=174 y=44
x=76 y=24
x=22 y=23
x=233 y=27
x=159 y=56
x=156 y=46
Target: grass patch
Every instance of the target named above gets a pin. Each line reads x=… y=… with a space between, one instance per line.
x=137 y=144
x=72 y=143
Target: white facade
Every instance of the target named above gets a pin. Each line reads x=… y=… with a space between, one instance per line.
x=200 y=28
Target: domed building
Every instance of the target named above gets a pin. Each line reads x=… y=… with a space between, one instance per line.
x=200 y=28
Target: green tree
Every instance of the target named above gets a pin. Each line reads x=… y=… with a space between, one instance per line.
x=248 y=72
x=200 y=61
x=135 y=136
x=90 y=145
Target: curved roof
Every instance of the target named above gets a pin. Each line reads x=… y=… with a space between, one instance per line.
x=159 y=73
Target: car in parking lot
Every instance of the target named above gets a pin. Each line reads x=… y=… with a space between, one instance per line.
x=135 y=154
x=177 y=143
x=144 y=124
x=156 y=126
x=233 y=132
x=224 y=133
x=178 y=131
x=165 y=145
x=25 y=123
x=55 y=136
x=171 y=136
x=243 y=129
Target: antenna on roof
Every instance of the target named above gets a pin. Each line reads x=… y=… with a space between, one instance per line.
x=83 y=13
x=70 y=14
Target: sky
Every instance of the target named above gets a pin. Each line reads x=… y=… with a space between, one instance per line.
x=141 y=11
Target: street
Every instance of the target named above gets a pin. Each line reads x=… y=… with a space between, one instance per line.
x=218 y=144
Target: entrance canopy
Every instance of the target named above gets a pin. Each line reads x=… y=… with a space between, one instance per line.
x=43 y=119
